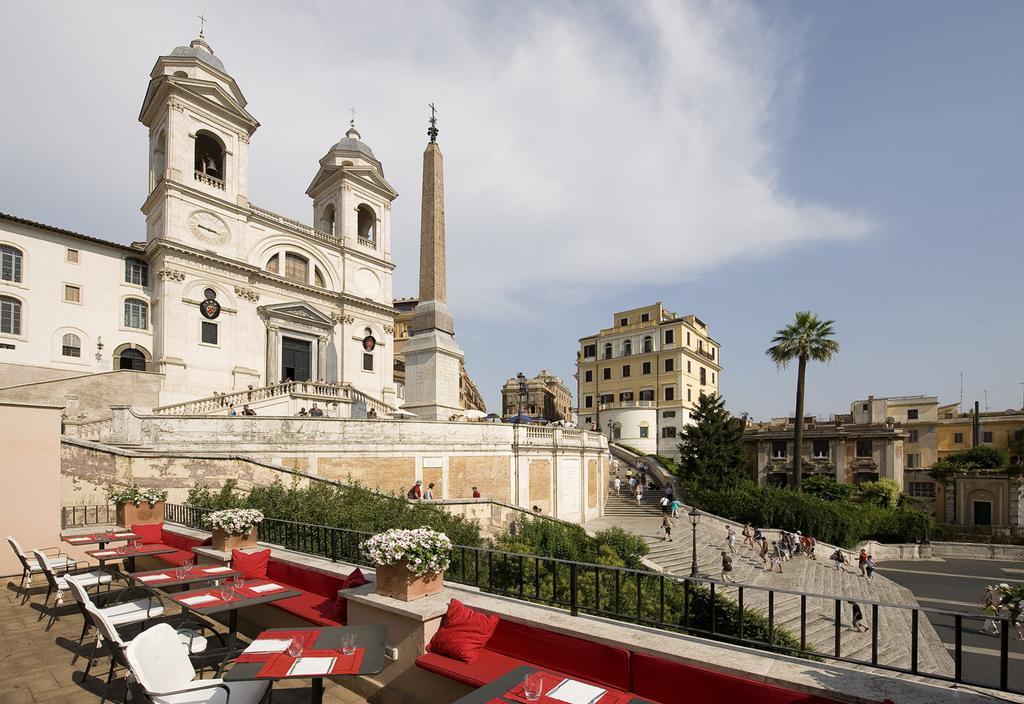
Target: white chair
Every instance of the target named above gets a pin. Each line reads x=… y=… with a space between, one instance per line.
x=161 y=667
x=58 y=560
x=194 y=643
x=124 y=612
x=58 y=583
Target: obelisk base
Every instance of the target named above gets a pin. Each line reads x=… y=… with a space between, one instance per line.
x=433 y=365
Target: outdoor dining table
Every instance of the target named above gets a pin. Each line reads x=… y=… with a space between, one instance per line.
x=321 y=656
x=168 y=577
x=128 y=554
x=208 y=601
x=500 y=691
x=100 y=539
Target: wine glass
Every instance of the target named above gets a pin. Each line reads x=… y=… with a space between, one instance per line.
x=533 y=686
x=294 y=649
x=348 y=643
x=239 y=582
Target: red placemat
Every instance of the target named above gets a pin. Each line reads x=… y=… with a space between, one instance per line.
x=550 y=682
x=279 y=665
x=215 y=593
x=308 y=636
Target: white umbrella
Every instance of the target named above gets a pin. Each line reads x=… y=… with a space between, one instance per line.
x=401 y=413
x=473 y=414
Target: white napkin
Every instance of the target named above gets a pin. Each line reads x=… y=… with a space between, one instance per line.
x=213 y=570
x=195 y=600
x=123 y=535
x=104 y=553
x=154 y=577
x=575 y=692
x=78 y=540
x=268 y=645
x=267 y=588
x=312 y=666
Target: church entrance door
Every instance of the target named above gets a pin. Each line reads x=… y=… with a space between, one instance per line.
x=296 y=359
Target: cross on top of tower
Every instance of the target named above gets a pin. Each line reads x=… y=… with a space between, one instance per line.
x=202 y=26
x=352 y=123
x=432 y=130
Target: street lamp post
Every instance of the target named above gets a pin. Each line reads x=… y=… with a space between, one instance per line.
x=521 y=378
x=694 y=520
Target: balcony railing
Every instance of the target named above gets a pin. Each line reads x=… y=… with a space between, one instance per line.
x=209 y=180
x=367 y=242
x=75 y=516
x=656 y=599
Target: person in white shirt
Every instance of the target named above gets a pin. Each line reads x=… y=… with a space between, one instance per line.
x=618 y=485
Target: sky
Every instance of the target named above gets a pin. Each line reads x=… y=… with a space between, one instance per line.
x=738 y=161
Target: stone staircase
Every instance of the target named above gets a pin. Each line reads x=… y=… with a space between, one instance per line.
x=325 y=392
x=799 y=574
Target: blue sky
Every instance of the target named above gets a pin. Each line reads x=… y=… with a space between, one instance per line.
x=737 y=161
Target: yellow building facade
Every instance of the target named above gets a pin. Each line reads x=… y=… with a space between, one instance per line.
x=640 y=379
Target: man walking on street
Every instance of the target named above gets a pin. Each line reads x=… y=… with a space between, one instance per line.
x=667 y=524
x=727 y=568
x=730 y=538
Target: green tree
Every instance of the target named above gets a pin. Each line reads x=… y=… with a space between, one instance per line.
x=806 y=338
x=826 y=487
x=712 y=446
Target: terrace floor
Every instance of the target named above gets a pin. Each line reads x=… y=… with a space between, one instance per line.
x=35 y=664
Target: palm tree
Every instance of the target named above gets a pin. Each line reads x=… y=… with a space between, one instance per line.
x=805 y=338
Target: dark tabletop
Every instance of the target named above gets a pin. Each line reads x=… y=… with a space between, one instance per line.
x=144 y=551
x=195 y=575
x=239 y=602
x=370 y=637
x=96 y=538
x=496 y=688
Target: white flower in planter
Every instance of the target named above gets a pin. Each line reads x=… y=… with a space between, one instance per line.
x=134 y=494
x=236 y=521
x=426 y=551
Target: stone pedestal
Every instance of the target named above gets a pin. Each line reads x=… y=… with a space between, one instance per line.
x=433 y=361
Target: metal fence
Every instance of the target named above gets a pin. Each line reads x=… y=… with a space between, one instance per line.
x=694 y=605
x=75 y=516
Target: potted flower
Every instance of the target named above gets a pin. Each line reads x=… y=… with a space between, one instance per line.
x=234 y=528
x=136 y=505
x=410 y=563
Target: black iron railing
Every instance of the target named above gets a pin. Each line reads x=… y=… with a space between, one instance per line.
x=73 y=516
x=694 y=605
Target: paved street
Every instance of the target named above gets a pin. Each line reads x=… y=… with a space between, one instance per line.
x=959 y=585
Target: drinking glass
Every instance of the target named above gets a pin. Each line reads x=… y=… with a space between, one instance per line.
x=188 y=565
x=225 y=592
x=119 y=549
x=295 y=647
x=348 y=643
x=533 y=686
x=180 y=572
x=239 y=582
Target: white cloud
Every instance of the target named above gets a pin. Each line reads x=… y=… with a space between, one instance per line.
x=614 y=143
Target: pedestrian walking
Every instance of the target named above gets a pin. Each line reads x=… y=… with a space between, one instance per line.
x=639 y=493
x=667 y=524
x=632 y=484
x=730 y=538
x=428 y=495
x=666 y=505
x=748 y=535
x=991 y=607
x=858 y=618
x=862 y=563
x=618 y=485
x=416 y=491
x=758 y=536
x=839 y=559
x=676 y=506
x=869 y=566
x=727 y=568
x=764 y=554
x=776 y=555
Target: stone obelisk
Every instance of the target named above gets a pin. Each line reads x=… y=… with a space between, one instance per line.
x=433 y=360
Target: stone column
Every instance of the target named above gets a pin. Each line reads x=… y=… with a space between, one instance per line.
x=273 y=363
x=840 y=460
x=321 y=357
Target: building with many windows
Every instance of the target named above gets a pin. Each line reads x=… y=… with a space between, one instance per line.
x=220 y=294
x=640 y=379
x=546 y=398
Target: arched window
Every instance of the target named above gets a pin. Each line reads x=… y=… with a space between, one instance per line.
x=318 y=278
x=136 y=314
x=327 y=219
x=159 y=157
x=10 y=264
x=627 y=348
x=209 y=155
x=132 y=359
x=273 y=265
x=71 y=345
x=648 y=344
x=136 y=272
x=367 y=223
x=296 y=268
x=10 y=315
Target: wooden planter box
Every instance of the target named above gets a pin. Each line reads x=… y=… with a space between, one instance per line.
x=142 y=513
x=226 y=542
x=400 y=582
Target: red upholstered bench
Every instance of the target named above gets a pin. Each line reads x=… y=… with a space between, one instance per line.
x=183 y=545
x=514 y=644
x=672 y=682
x=319 y=602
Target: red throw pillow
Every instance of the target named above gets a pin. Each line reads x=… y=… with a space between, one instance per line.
x=252 y=565
x=150 y=533
x=356 y=579
x=463 y=633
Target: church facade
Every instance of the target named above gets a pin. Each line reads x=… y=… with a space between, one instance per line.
x=221 y=295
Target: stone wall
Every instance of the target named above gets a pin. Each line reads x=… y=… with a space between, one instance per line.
x=89 y=395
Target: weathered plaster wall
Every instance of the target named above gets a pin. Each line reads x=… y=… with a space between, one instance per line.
x=91 y=395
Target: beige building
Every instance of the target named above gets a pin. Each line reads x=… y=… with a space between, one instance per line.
x=469 y=394
x=545 y=397
x=640 y=379
x=840 y=447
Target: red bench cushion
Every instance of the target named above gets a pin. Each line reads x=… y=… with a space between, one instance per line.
x=150 y=533
x=178 y=557
x=463 y=634
x=306 y=579
x=321 y=610
x=252 y=565
x=488 y=666
x=600 y=664
x=674 y=683
x=182 y=542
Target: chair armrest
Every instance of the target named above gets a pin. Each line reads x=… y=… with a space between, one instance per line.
x=59 y=550
x=184 y=690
